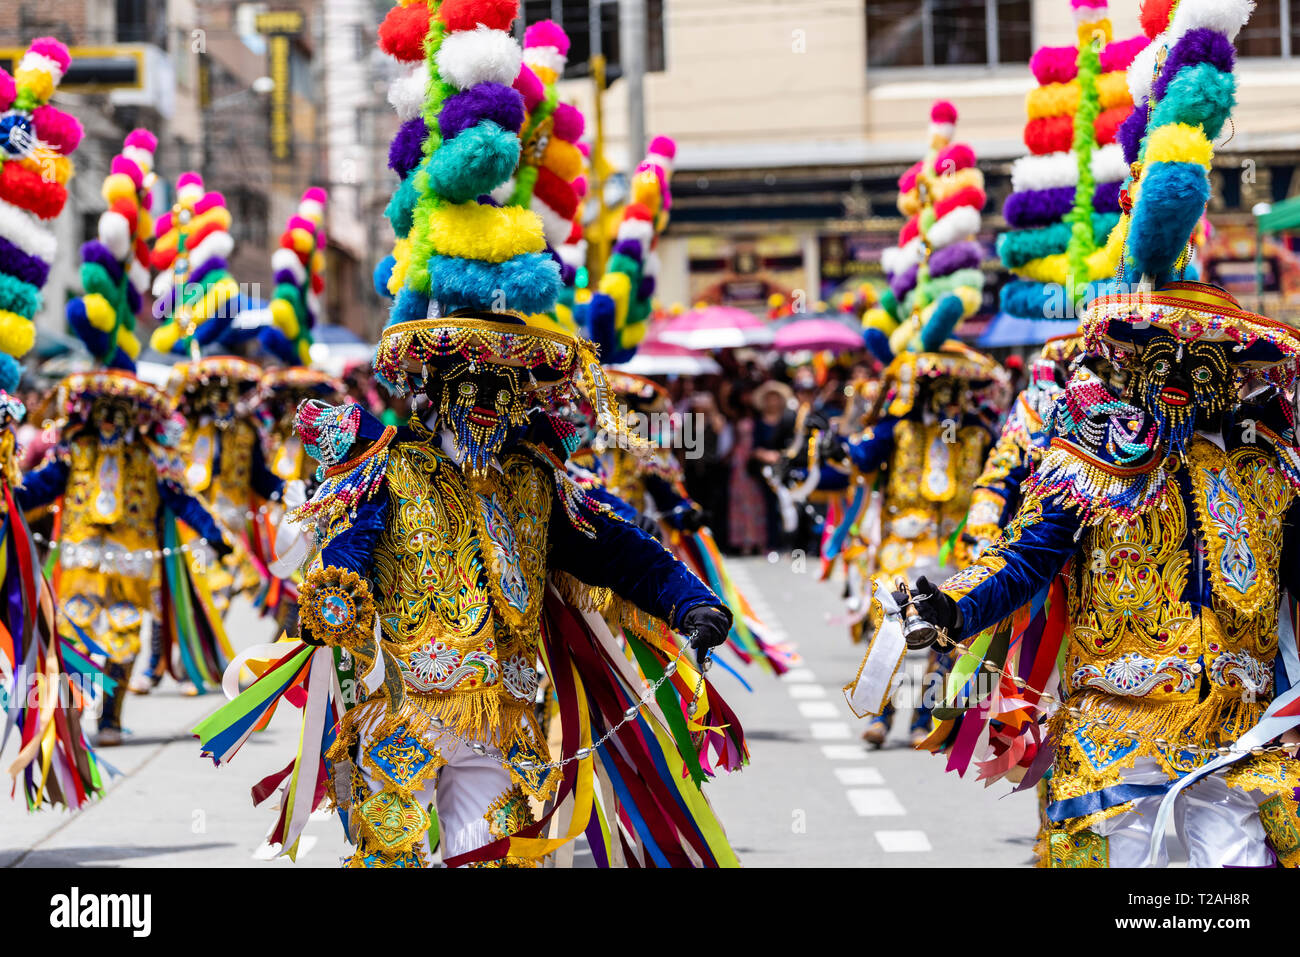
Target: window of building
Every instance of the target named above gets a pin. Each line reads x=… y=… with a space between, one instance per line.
x=1273 y=30
x=575 y=17
x=949 y=32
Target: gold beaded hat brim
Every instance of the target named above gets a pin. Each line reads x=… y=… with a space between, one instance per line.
x=1062 y=348
x=298 y=379
x=629 y=385
x=407 y=349
x=1117 y=326
x=954 y=360
x=83 y=388
x=187 y=375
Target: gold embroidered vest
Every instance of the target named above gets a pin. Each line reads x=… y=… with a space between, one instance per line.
x=1134 y=633
x=932 y=471
x=229 y=492
x=110 y=507
x=459 y=576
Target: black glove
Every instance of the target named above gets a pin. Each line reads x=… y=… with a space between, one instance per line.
x=307 y=638
x=691 y=519
x=937 y=608
x=649 y=525
x=222 y=547
x=708 y=625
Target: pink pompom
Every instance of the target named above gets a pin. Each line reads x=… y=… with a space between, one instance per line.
x=1088 y=4
x=62 y=131
x=142 y=139
x=664 y=146
x=189 y=179
x=52 y=49
x=585 y=149
x=315 y=194
x=955 y=157
x=907 y=182
x=128 y=167
x=529 y=87
x=7 y=90
x=569 y=123
x=547 y=33
x=580 y=186
x=943 y=112
x=1055 y=64
x=301 y=222
x=209 y=201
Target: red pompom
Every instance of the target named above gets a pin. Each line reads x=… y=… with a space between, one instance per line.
x=967 y=196
x=556 y=193
x=943 y=112
x=909 y=231
x=127 y=210
x=907 y=182
x=402 y=33
x=1108 y=123
x=27 y=189
x=1049 y=134
x=468 y=14
x=1154 y=16
x=638 y=211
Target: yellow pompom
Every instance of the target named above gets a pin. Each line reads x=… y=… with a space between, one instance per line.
x=217 y=214
x=50 y=166
x=304 y=352
x=302 y=240
x=945 y=186
x=285 y=319
x=775 y=301
x=1053 y=99
x=486 y=233
x=165 y=337
x=645 y=190
x=318 y=262
x=401 y=261
x=1098 y=29
x=970 y=300
x=128 y=343
x=17 y=334
x=215 y=299
x=1178 y=143
x=37 y=82
x=118 y=186
x=563 y=159
x=544 y=73
x=1112 y=89
x=878 y=318
x=618 y=286
x=582 y=296
x=909 y=203
x=99 y=312
x=634 y=334
x=144 y=225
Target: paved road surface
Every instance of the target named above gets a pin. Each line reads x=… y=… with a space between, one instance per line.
x=813 y=795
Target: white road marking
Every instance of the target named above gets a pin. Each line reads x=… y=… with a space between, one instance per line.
x=818 y=709
x=798 y=674
x=874 y=802
x=844 y=752
x=806 y=691
x=859 y=777
x=902 y=842
x=830 y=730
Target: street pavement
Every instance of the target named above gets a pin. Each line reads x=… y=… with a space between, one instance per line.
x=813 y=795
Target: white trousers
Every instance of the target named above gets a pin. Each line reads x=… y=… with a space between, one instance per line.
x=1218 y=825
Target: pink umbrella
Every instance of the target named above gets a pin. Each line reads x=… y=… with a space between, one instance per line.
x=816 y=335
x=716 y=327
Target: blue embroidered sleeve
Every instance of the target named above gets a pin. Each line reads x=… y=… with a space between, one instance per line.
x=615 y=504
x=192 y=512
x=672 y=506
x=42 y=486
x=265 y=482
x=629 y=562
x=1027 y=555
x=870 y=450
x=353 y=546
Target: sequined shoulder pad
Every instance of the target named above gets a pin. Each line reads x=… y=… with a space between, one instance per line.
x=1273 y=425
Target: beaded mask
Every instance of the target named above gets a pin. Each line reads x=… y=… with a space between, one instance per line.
x=1179 y=380
x=479 y=402
x=218 y=399
x=114 y=417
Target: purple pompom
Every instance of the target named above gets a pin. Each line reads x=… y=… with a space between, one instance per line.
x=1106 y=197
x=483 y=101
x=902 y=283
x=646 y=289
x=1131 y=131
x=97 y=253
x=18 y=264
x=966 y=255
x=1201 y=45
x=407 y=148
x=631 y=248
x=1037 y=207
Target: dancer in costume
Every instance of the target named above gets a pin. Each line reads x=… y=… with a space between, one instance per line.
x=452 y=550
x=46 y=682
x=119 y=485
x=1165 y=516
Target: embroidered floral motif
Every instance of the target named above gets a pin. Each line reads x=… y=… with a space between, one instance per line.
x=1084 y=849
x=403 y=760
x=1136 y=675
x=392 y=822
x=510 y=813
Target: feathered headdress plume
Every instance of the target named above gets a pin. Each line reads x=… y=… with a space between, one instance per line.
x=36 y=140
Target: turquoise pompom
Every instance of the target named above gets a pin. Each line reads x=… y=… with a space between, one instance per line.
x=474 y=163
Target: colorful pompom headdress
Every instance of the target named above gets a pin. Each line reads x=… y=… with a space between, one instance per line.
x=470 y=277
x=935 y=279
x=115 y=265
x=1064 y=205
x=299 y=267
x=195 y=295
x=1184 y=85
x=36 y=140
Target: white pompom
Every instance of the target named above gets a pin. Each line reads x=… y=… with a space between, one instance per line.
x=962 y=223
x=549 y=58
x=477 y=56
x=286 y=260
x=115 y=233
x=138 y=276
x=555 y=227
x=406 y=93
x=1045 y=171
x=637 y=229
x=503 y=192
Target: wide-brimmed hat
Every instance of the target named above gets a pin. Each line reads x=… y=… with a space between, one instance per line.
x=212 y=369
x=645 y=392
x=78 y=392
x=762 y=391
x=1119 y=325
x=953 y=360
x=298 y=381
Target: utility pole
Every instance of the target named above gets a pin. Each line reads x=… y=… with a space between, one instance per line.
x=632 y=46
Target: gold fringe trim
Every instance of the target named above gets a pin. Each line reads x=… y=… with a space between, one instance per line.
x=615 y=610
